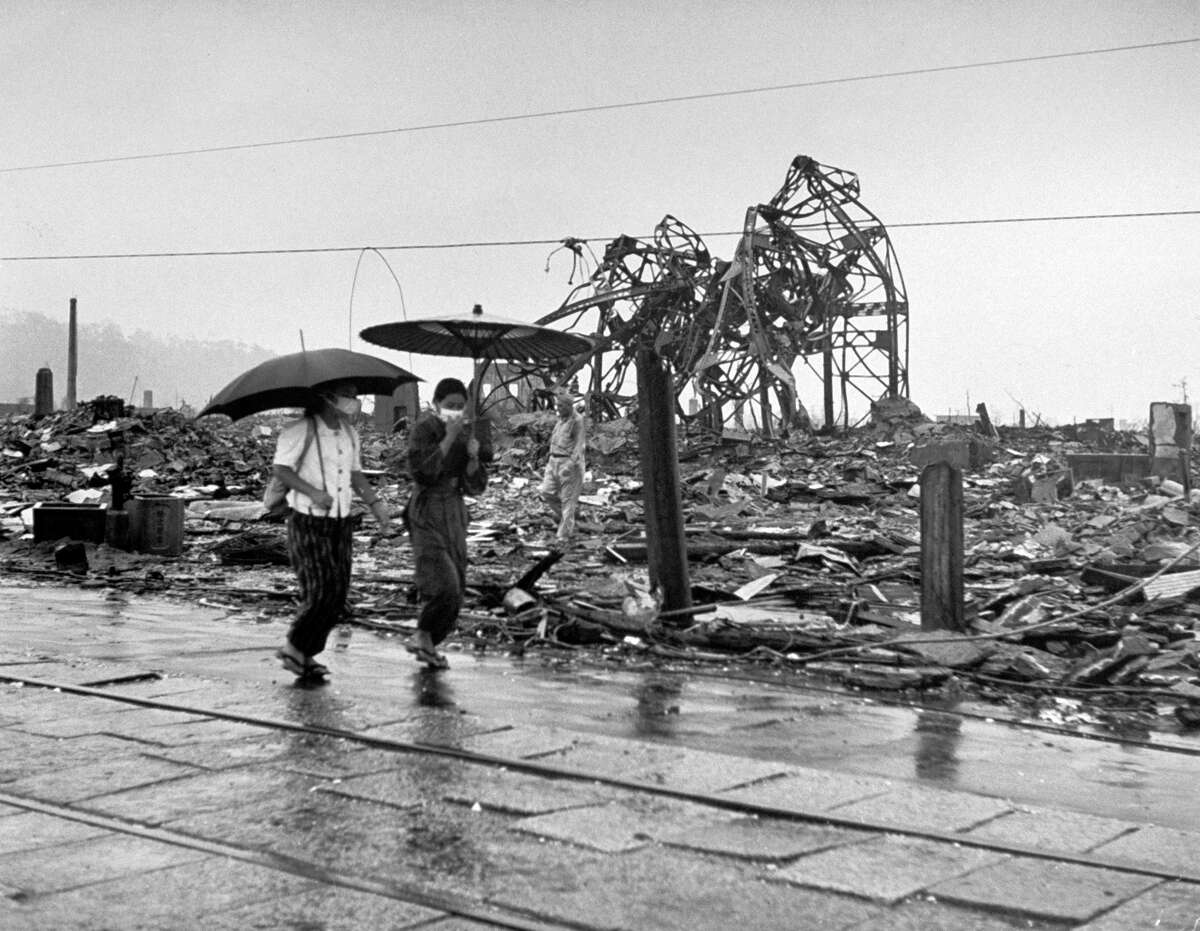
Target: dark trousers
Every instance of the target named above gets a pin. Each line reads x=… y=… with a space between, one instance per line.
x=319 y=548
x=437 y=521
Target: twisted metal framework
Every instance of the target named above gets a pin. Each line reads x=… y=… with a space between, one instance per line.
x=814 y=279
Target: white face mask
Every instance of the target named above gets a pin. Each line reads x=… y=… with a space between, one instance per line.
x=450 y=413
x=349 y=406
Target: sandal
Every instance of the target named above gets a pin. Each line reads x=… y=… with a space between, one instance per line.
x=431 y=658
x=308 y=669
x=315 y=670
x=290 y=663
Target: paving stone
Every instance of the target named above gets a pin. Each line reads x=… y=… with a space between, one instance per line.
x=1052 y=829
x=764 y=838
x=523 y=742
x=403 y=786
x=73 y=783
x=610 y=756
x=438 y=727
x=926 y=809
x=1060 y=891
x=669 y=890
x=886 y=870
x=176 y=897
x=1156 y=846
x=810 y=790
x=931 y=915
x=73 y=673
x=1164 y=908
x=622 y=826
x=66 y=866
x=133 y=722
x=700 y=771
x=330 y=908
x=166 y=801
x=30 y=830
x=28 y=754
x=185 y=731
x=521 y=793
x=225 y=754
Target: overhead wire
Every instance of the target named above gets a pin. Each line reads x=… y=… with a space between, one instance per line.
x=500 y=243
x=598 y=108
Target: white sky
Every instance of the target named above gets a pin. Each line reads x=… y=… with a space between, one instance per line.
x=1075 y=319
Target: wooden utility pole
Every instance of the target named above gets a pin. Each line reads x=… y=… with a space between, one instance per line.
x=665 y=543
x=72 y=357
x=942 y=548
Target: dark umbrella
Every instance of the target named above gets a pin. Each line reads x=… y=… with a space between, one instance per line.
x=292 y=380
x=477 y=336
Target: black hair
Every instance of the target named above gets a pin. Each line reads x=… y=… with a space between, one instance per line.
x=448 y=386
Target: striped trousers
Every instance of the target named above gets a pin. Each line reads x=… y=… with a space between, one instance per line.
x=319 y=549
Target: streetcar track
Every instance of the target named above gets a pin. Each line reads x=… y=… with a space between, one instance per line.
x=550 y=771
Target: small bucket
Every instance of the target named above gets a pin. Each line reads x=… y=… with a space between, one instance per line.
x=156 y=524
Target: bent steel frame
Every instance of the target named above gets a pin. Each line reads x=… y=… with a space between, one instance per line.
x=814 y=283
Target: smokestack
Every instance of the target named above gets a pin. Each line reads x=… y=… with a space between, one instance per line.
x=72 y=357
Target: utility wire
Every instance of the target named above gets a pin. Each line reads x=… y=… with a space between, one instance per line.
x=657 y=101
x=496 y=243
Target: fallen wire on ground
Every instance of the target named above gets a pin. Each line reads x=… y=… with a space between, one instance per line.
x=1082 y=597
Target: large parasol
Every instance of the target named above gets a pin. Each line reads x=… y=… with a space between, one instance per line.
x=478 y=336
x=292 y=380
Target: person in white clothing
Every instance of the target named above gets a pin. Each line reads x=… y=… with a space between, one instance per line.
x=318 y=459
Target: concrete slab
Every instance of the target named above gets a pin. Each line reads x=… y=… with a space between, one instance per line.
x=700 y=771
x=1171 y=905
x=810 y=790
x=326 y=908
x=673 y=891
x=74 y=783
x=764 y=838
x=1052 y=829
x=885 y=870
x=165 y=801
x=225 y=754
x=27 y=755
x=31 y=830
x=68 y=866
x=611 y=756
x=1045 y=889
x=926 y=809
x=523 y=742
x=185 y=732
x=175 y=897
x=627 y=825
x=926 y=915
x=117 y=722
x=401 y=787
x=523 y=794
x=1156 y=846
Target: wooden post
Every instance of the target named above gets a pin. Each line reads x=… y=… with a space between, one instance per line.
x=72 y=357
x=942 y=548
x=665 y=543
x=827 y=375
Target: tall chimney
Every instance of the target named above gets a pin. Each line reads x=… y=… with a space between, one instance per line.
x=72 y=357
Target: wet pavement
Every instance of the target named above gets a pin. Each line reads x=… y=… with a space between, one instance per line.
x=534 y=793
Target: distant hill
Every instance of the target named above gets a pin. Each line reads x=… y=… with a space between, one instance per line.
x=176 y=370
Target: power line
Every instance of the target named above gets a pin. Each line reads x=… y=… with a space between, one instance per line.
x=499 y=243
x=542 y=114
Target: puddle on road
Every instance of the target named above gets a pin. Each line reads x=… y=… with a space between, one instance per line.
x=835 y=731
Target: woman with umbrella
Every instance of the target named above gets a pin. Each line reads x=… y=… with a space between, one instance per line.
x=444 y=465
x=318 y=459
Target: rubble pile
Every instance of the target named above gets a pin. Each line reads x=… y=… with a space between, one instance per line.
x=1082 y=597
